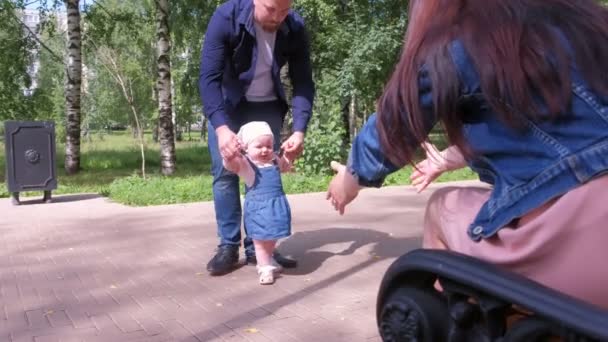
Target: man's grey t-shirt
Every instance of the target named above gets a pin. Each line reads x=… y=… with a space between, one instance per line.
x=262 y=87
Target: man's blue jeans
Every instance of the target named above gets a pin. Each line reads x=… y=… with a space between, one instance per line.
x=226 y=193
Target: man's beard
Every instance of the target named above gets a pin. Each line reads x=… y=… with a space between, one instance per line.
x=270 y=27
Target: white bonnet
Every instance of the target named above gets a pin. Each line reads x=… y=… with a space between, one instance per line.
x=252 y=130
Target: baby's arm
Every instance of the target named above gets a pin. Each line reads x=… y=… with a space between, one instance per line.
x=285 y=165
x=241 y=167
x=234 y=165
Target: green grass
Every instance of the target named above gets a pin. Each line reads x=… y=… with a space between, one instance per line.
x=111 y=167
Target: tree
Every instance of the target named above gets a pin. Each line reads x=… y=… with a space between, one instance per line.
x=354 y=47
x=188 y=20
x=109 y=60
x=73 y=88
x=16 y=55
x=164 y=86
x=73 y=73
x=49 y=95
x=120 y=38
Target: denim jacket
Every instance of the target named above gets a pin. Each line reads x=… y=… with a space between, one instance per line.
x=526 y=168
x=229 y=56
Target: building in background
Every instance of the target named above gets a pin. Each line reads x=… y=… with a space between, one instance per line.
x=32 y=18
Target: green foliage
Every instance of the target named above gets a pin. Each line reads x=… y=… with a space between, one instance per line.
x=324 y=139
x=125 y=31
x=323 y=144
x=297 y=183
x=16 y=55
x=110 y=168
x=49 y=95
x=354 y=46
x=188 y=21
x=135 y=190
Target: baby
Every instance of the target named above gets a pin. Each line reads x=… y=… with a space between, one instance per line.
x=267 y=215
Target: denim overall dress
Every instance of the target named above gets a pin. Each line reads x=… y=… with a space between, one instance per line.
x=267 y=215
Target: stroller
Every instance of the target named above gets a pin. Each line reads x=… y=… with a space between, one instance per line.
x=479 y=302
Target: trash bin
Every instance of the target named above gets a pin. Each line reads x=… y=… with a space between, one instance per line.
x=30 y=157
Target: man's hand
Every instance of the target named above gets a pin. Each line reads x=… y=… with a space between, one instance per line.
x=343 y=188
x=293 y=146
x=228 y=142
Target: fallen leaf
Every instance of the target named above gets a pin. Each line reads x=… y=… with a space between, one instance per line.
x=252 y=330
x=200 y=273
x=49 y=312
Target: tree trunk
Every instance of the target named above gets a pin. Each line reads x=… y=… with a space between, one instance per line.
x=166 y=133
x=73 y=88
x=345 y=123
x=110 y=62
x=286 y=81
x=204 y=129
x=352 y=117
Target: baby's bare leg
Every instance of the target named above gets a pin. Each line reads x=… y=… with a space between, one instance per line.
x=264 y=250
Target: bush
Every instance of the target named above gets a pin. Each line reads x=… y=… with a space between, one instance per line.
x=324 y=143
x=3 y=190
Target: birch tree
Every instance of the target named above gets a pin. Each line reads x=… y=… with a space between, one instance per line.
x=163 y=86
x=73 y=87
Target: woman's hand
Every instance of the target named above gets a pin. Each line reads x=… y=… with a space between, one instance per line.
x=343 y=188
x=429 y=169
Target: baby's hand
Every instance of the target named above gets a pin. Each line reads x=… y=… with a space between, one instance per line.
x=429 y=169
x=285 y=165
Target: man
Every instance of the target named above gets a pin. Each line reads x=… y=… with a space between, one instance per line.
x=246 y=44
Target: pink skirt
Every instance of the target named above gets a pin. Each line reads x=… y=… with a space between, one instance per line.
x=563 y=245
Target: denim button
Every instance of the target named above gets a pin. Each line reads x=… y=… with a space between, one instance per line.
x=478 y=230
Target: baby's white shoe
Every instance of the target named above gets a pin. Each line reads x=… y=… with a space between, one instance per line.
x=277 y=268
x=266 y=274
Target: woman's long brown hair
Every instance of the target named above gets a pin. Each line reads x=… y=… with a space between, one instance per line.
x=515 y=50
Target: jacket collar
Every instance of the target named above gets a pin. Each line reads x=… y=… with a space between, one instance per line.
x=245 y=17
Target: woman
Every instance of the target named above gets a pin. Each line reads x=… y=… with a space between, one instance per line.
x=521 y=88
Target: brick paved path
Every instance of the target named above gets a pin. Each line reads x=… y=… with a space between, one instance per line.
x=85 y=269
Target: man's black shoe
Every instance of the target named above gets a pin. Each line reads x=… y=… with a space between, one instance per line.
x=281 y=260
x=225 y=260
x=251 y=260
x=284 y=261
